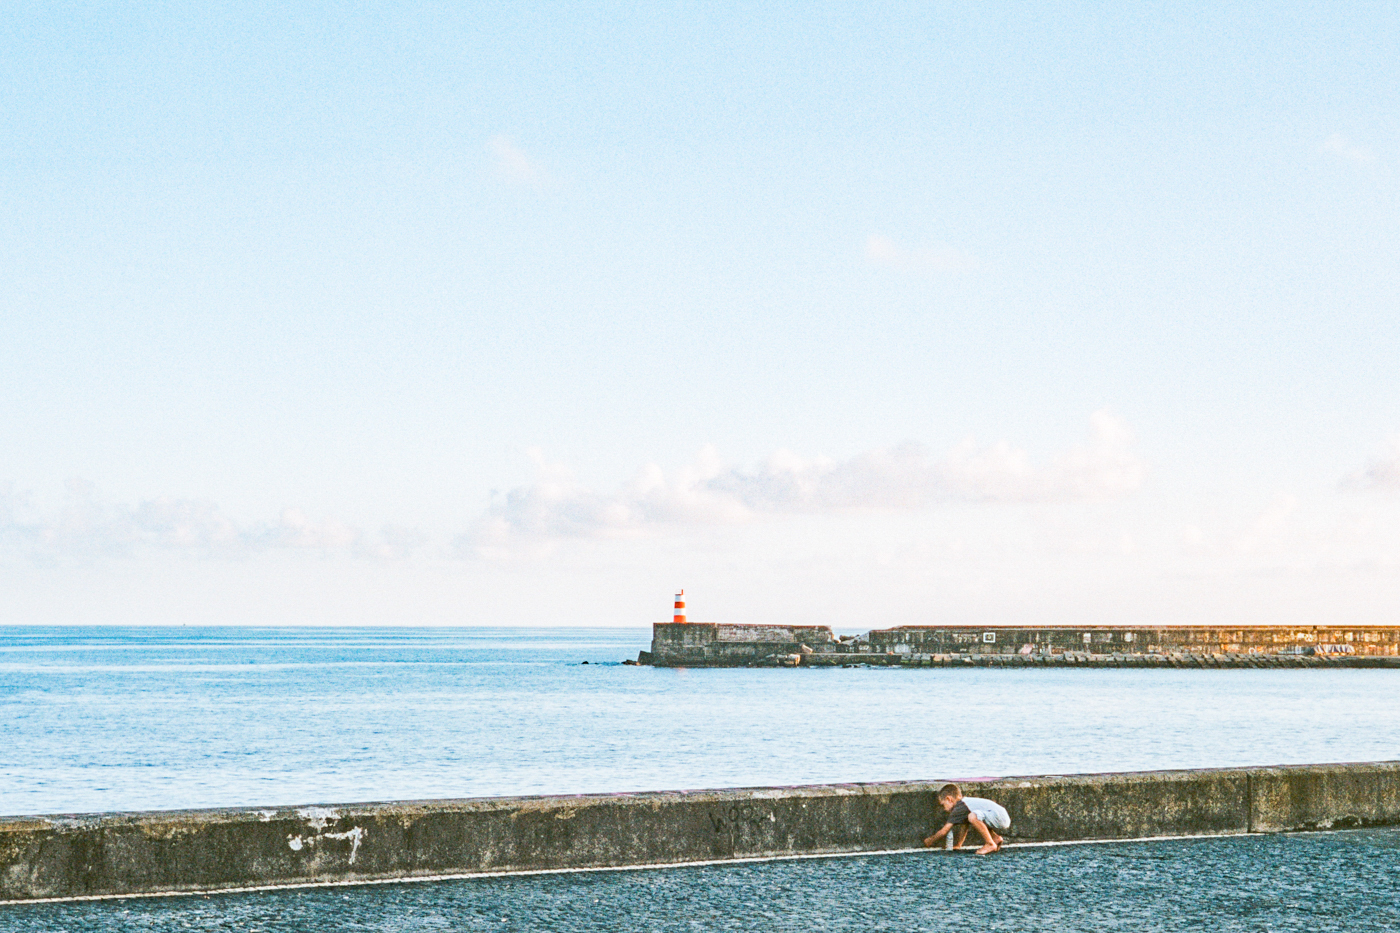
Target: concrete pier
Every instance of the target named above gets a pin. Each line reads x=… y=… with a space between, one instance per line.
x=106 y=855
x=680 y=644
x=702 y=644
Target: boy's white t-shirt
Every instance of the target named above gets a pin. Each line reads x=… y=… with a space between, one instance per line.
x=988 y=811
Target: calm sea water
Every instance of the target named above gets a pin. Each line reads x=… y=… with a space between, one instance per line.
x=114 y=719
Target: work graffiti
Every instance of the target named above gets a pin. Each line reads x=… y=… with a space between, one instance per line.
x=739 y=821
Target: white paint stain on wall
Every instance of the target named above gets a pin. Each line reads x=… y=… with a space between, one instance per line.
x=318 y=817
x=355 y=835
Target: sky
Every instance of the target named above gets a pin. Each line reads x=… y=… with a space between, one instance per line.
x=835 y=313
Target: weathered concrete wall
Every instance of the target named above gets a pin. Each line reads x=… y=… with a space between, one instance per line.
x=678 y=644
x=77 y=856
x=708 y=645
x=1185 y=660
x=1323 y=797
x=1199 y=639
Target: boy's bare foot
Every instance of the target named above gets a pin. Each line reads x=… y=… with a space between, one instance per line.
x=988 y=849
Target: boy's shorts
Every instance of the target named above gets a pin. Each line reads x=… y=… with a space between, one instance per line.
x=993 y=814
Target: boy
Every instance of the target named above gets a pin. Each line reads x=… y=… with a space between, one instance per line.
x=988 y=817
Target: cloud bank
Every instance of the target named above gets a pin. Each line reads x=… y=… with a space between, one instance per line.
x=905 y=477
x=86 y=529
x=532 y=519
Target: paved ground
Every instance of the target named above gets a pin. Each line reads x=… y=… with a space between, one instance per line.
x=1315 y=882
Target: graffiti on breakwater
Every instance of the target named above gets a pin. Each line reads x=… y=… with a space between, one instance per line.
x=737 y=821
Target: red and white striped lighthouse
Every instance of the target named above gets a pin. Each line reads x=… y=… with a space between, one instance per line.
x=680 y=607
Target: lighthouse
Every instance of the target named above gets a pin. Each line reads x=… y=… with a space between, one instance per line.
x=680 y=607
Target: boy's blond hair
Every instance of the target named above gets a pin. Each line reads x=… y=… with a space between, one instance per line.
x=949 y=792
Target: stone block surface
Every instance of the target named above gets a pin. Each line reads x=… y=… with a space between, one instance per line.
x=1333 y=796
x=208 y=850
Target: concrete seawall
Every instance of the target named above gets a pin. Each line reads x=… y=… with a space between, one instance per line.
x=210 y=850
x=694 y=644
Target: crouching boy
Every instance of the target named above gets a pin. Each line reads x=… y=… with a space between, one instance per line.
x=988 y=817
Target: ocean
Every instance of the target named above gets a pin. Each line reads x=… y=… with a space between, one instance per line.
x=99 y=719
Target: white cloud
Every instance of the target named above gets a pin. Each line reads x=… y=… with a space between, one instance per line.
x=706 y=492
x=395 y=542
x=1382 y=474
x=295 y=530
x=882 y=251
x=85 y=529
x=1338 y=145
x=514 y=164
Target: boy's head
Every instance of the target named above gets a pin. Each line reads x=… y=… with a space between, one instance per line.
x=949 y=795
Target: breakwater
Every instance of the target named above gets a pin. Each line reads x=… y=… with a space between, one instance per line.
x=1179 y=660
x=104 y=855
x=692 y=644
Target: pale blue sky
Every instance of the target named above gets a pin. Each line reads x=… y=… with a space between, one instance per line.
x=360 y=265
